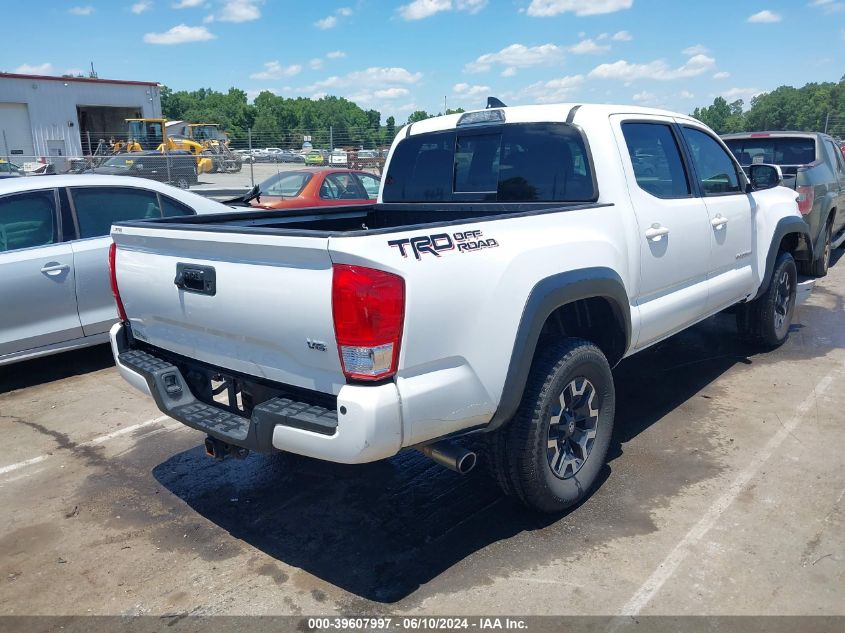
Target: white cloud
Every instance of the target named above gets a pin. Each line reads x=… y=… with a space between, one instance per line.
x=140 y=7
x=686 y=94
x=326 y=23
x=658 y=69
x=698 y=49
x=546 y=8
x=180 y=34
x=391 y=93
x=740 y=93
x=316 y=63
x=467 y=90
x=86 y=10
x=35 y=69
x=644 y=97
x=588 y=46
x=471 y=6
x=188 y=4
x=721 y=75
x=274 y=70
x=828 y=6
x=556 y=90
x=331 y=21
x=421 y=9
x=764 y=17
x=509 y=72
x=371 y=77
x=622 y=36
x=336 y=55
x=236 y=11
x=518 y=56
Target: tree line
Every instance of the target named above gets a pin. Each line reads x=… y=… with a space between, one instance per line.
x=338 y=121
x=810 y=108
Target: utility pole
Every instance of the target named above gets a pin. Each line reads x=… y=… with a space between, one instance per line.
x=826 y=121
x=444 y=104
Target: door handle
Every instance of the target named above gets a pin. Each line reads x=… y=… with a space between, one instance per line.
x=54 y=268
x=656 y=232
x=718 y=222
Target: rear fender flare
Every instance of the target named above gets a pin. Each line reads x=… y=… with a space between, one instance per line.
x=546 y=296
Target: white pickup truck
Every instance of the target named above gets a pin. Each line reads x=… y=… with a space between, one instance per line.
x=515 y=255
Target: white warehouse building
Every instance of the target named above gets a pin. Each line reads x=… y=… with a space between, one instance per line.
x=51 y=117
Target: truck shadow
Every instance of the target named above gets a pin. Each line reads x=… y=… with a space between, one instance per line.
x=46 y=369
x=382 y=531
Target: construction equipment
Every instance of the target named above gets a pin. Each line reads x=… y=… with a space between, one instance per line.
x=213 y=140
x=151 y=134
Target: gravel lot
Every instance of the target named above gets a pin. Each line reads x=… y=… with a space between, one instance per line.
x=724 y=495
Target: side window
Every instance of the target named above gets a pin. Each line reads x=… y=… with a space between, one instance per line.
x=835 y=155
x=341 y=187
x=27 y=220
x=170 y=208
x=656 y=159
x=370 y=184
x=97 y=208
x=715 y=169
x=421 y=169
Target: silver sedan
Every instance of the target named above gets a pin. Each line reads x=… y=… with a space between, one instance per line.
x=54 y=241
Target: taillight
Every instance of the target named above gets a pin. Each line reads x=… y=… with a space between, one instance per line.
x=806 y=195
x=368 y=307
x=113 y=279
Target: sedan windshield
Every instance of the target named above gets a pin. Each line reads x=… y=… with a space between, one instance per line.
x=285 y=185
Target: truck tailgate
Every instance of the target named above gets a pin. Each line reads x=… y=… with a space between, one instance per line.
x=225 y=323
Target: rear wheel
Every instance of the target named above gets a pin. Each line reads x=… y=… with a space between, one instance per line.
x=182 y=182
x=550 y=454
x=766 y=320
x=818 y=267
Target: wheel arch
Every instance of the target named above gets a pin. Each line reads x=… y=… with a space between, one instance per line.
x=791 y=235
x=589 y=303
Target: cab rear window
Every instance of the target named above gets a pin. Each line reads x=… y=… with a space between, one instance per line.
x=536 y=162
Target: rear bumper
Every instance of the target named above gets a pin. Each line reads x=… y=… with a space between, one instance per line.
x=365 y=426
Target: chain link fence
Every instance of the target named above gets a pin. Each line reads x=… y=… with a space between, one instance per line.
x=198 y=156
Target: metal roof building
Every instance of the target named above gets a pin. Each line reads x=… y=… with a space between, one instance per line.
x=44 y=116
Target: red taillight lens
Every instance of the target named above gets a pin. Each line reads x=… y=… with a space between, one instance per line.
x=368 y=307
x=113 y=279
x=806 y=195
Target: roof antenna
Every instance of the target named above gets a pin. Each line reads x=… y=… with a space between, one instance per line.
x=493 y=102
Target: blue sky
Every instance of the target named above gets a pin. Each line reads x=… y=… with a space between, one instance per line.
x=397 y=57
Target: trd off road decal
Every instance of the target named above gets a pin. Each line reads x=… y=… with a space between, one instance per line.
x=462 y=241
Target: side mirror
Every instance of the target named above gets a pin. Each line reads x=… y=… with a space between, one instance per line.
x=763 y=176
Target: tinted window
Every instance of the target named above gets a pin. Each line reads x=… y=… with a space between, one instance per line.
x=170 y=208
x=774 y=150
x=341 y=187
x=543 y=162
x=286 y=185
x=27 y=220
x=714 y=167
x=656 y=159
x=97 y=208
x=477 y=163
x=370 y=184
x=834 y=155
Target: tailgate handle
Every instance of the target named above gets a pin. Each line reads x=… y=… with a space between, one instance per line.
x=194 y=278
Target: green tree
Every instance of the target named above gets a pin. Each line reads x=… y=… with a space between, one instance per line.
x=418 y=115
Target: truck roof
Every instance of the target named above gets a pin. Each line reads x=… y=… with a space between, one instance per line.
x=543 y=113
x=775 y=133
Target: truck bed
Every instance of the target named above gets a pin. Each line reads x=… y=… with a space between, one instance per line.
x=353 y=219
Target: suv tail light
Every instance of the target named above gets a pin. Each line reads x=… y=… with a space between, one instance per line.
x=806 y=195
x=368 y=307
x=113 y=279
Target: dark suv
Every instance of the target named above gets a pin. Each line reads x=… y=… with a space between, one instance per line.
x=153 y=164
x=813 y=165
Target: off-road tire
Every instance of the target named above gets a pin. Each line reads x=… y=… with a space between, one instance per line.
x=519 y=456
x=758 y=320
x=819 y=266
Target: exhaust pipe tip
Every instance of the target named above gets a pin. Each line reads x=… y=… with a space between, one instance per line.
x=466 y=462
x=452 y=456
